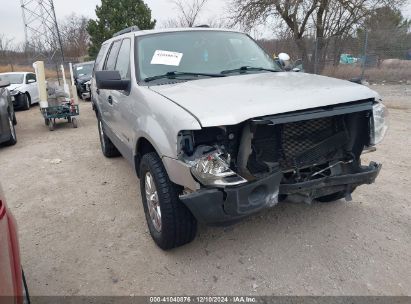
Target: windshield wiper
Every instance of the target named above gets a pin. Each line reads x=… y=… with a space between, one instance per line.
x=245 y=69
x=172 y=75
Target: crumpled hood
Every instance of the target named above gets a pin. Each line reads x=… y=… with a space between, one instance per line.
x=14 y=86
x=232 y=100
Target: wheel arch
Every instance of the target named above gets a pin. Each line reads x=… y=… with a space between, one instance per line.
x=28 y=95
x=143 y=146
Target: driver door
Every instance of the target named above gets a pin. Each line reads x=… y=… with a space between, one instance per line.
x=105 y=100
x=32 y=88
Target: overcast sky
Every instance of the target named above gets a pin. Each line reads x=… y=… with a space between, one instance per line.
x=11 y=23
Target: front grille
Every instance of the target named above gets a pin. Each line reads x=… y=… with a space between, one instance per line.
x=296 y=144
x=301 y=141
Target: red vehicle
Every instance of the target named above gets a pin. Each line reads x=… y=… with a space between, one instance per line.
x=13 y=288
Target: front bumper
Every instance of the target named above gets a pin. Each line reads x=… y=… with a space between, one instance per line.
x=217 y=206
x=17 y=100
x=85 y=95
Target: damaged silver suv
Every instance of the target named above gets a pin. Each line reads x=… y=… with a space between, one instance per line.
x=216 y=130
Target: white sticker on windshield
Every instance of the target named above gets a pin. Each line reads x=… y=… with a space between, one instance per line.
x=167 y=58
x=79 y=68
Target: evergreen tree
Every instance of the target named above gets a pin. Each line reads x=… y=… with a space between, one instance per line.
x=115 y=15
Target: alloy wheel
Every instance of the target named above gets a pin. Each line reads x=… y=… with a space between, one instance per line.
x=153 y=203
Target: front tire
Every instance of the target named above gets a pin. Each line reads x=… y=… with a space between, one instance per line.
x=26 y=101
x=107 y=147
x=170 y=223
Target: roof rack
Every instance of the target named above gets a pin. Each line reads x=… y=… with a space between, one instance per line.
x=130 y=29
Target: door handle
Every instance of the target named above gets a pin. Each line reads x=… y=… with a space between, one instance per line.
x=110 y=100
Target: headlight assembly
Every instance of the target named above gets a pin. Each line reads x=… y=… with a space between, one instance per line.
x=379 y=124
x=14 y=93
x=212 y=169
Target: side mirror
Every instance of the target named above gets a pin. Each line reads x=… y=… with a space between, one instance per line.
x=111 y=80
x=4 y=83
x=296 y=70
x=284 y=57
x=31 y=81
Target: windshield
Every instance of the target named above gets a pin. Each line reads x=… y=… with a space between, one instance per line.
x=13 y=78
x=85 y=69
x=204 y=52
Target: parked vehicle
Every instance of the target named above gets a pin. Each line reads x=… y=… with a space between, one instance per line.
x=348 y=59
x=82 y=75
x=217 y=131
x=23 y=87
x=13 y=287
x=7 y=116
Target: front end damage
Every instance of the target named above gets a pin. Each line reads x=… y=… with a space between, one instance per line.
x=18 y=98
x=304 y=155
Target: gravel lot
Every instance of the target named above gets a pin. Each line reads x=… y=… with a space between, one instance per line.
x=83 y=231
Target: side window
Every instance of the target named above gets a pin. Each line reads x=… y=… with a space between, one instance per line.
x=30 y=77
x=112 y=56
x=98 y=65
x=123 y=59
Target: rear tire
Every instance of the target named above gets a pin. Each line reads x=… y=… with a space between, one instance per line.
x=107 y=147
x=178 y=225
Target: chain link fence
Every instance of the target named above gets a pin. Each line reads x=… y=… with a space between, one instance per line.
x=373 y=56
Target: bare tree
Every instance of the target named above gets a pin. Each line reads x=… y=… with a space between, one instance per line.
x=10 y=51
x=188 y=13
x=322 y=18
x=75 y=36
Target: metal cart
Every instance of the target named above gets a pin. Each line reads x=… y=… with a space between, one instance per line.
x=64 y=111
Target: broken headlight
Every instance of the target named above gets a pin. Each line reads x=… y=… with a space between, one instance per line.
x=379 y=124
x=212 y=169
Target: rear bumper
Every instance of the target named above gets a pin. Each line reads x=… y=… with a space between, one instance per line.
x=217 y=206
